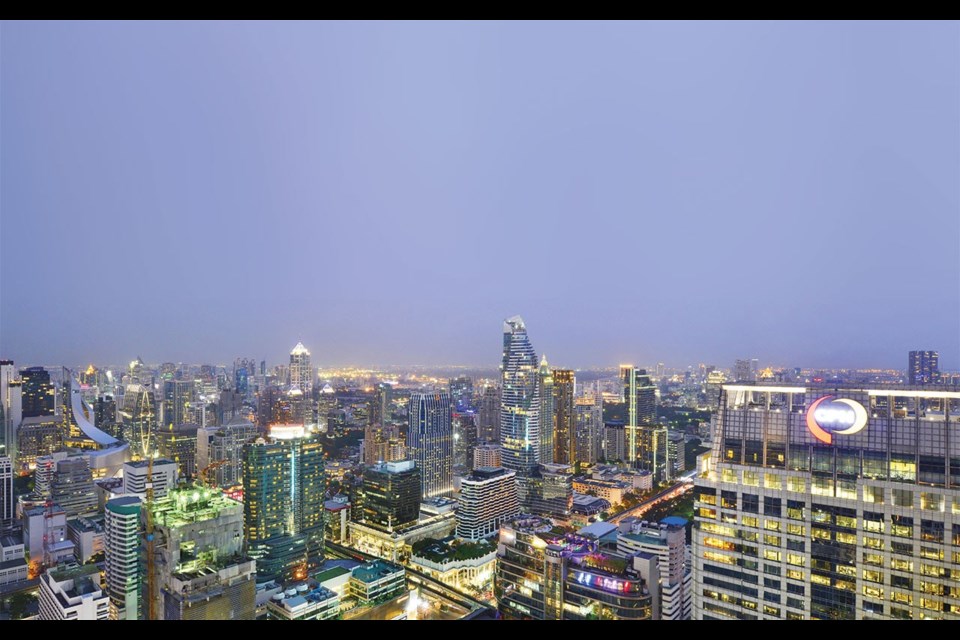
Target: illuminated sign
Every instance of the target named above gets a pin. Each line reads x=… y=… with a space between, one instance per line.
x=828 y=417
x=606 y=584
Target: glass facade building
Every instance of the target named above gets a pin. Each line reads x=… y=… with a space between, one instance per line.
x=830 y=502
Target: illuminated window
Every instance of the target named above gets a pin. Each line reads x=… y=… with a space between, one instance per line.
x=750 y=521
x=796 y=560
x=796 y=529
x=797 y=484
x=901 y=565
x=751 y=478
x=794 y=574
x=873 y=592
x=873 y=576
x=873 y=558
x=771 y=525
x=771 y=540
x=772 y=481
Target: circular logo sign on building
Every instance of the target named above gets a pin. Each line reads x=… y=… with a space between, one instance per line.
x=829 y=416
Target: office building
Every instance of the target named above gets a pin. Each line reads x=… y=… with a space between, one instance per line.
x=543 y=573
x=653 y=452
x=519 y=400
x=430 y=441
x=488 y=498
x=564 y=417
x=490 y=414
x=614 y=441
x=464 y=438
x=178 y=398
x=547 y=417
x=122 y=557
x=139 y=417
x=639 y=394
x=38 y=393
x=220 y=451
x=486 y=455
x=135 y=477
x=37 y=436
x=588 y=428
x=923 y=368
x=392 y=494
x=178 y=442
x=376 y=581
x=667 y=540
x=461 y=394
x=105 y=415
x=8 y=501
x=301 y=371
x=547 y=490
x=376 y=434
x=72 y=486
x=284 y=486
x=829 y=502
x=73 y=593
x=11 y=409
x=676 y=453
x=202 y=572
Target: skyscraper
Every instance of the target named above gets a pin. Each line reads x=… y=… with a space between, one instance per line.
x=177 y=400
x=391 y=494
x=639 y=394
x=547 y=418
x=490 y=414
x=38 y=392
x=430 y=441
x=301 y=372
x=121 y=544
x=461 y=393
x=588 y=428
x=924 y=367
x=375 y=436
x=464 y=438
x=564 y=433
x=7 y=499
x=743 y=371
x=284 y=485
x=519 y=400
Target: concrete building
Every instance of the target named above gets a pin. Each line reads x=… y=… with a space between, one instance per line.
x=488 y=497
x=222 y=449
x=548 y=490
x=376 y=581
x=165 y=474
x=667 y=540
x=610 y=490
x=430 y=441
x=73 y=594
x=465 y=566
x=306 y=601
x=486 y=455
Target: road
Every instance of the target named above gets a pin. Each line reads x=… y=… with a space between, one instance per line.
x=670 y=493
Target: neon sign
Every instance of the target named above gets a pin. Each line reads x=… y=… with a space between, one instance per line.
x=828 y=417
x=606 y=584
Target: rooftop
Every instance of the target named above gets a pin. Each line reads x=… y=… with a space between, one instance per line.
x=144 y=464
x=330 y=574
x=376 y=570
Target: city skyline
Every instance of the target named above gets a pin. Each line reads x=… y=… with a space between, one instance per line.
x=709 y=191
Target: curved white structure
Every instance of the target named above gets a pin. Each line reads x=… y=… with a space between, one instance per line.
x=81 y=413
x=112 y=453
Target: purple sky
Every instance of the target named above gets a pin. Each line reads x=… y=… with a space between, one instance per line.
x=388 y=193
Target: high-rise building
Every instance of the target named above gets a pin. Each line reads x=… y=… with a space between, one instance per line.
x=164 y=478
x=829 y=502
x=121 y=544
x=486 y=455
x=547 y=417
x=461 y=394
x=105 y=415
x=39 y=395
x=430 y=441
x=178 y=398
x=178 y=442
x=564 y=417
x=138 y=414
x=614 y=442
x=588 y=428
x=36 y=437
x=543 y=573
x=301 y=371
x=488 y=498
x=391 y=494
x=743 y=372
x=547 y=490
x=667 y=540
x=73 y=593
x=923 y=367
x=376 y=435
x=490 y=414
x=220 y=451
x=72 y=486
x=519 y=400
x=653 y=452
x=676 y=453
x=202 y=572
x=8 y=500
x=284 y=486
x=464 y=438
x=639 y=393
x=11 y=409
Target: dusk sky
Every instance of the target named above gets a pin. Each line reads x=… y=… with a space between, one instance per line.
x=389 y=193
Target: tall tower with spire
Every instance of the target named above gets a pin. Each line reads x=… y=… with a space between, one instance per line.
x=301 y=372
x=547 y=413
x=520 y=400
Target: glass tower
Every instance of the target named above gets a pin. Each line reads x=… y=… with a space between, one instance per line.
x=519 y=400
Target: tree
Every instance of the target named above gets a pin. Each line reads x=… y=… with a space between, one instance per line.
x=19 y=603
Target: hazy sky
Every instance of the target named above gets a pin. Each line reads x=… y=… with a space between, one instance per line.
x=388 y=193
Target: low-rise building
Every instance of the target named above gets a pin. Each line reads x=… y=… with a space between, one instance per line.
x=73 y=593
x=610 y=490
x=305 y=601
x=466 y=566
x=376 y=582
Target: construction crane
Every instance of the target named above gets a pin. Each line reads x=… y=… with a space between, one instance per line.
x=204 y=474
x=151 y=561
